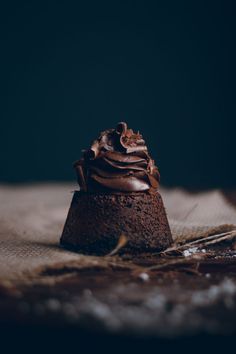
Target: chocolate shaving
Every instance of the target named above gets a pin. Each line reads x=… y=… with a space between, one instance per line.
x=121 y=128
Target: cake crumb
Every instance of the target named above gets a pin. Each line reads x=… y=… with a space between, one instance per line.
x=189 y=252
x=144 y=277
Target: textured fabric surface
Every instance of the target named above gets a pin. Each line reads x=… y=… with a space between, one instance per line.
x=32 y=218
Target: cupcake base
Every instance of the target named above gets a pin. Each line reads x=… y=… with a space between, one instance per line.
x=95 y=223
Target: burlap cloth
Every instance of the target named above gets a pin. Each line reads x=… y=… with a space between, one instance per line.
x=32 y=218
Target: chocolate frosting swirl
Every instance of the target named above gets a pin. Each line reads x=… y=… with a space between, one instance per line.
x=117 y=161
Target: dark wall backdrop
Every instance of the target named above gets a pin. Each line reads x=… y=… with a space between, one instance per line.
x=71 y=69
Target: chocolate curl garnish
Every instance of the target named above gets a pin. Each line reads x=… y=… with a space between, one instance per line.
x=105 y=142
x=156 y=174
x=153 y=170
x=129 y=141
x=121 y=128
x=150 y=166
x=78 y=165
x=140 y=141
x=154 y=183
x=93 y=152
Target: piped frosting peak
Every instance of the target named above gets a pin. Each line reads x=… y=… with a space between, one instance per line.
x=118 y=161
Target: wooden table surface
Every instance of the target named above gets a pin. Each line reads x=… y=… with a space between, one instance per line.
x=120 y=307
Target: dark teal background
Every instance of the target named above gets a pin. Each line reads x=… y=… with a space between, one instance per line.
x=70 y=69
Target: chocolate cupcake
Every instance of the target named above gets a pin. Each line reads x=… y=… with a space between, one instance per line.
x=118 y=196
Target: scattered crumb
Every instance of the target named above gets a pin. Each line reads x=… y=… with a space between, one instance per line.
x=193 y=250
x=189 y=252
x=144 y=277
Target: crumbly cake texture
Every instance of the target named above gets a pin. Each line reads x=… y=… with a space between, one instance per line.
x=95 y=223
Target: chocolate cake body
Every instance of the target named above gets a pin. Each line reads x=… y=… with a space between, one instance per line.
x=118 y=196
x=96 y=221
